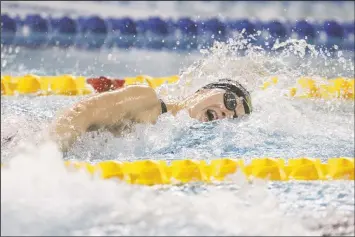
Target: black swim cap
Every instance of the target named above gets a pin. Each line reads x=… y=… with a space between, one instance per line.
x=236 y=88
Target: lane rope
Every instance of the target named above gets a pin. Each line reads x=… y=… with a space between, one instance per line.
x=157 y=172
x=93 y=32
x=70 y=85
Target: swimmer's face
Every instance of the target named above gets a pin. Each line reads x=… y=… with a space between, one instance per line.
x=208 y=105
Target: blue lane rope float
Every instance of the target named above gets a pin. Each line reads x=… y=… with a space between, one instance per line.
x=157 y=33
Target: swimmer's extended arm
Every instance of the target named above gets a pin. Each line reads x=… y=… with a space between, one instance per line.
x=135 y=103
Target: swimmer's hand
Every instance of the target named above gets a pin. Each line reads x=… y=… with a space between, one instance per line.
x=111 y=109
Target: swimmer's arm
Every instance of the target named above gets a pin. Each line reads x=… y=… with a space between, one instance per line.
x=108 y=108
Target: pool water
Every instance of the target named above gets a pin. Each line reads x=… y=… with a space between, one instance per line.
x=40 y=197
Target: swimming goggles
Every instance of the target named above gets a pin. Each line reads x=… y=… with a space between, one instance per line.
x=230 y=102
x=234 y=91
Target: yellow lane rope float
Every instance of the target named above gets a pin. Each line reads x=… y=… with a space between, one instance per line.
x=157 y=172
x=336 y=88
x=44 y=85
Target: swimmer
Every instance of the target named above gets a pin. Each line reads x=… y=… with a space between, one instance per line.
x=116 y=111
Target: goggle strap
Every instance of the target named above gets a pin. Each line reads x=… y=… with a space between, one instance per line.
x=246 y=107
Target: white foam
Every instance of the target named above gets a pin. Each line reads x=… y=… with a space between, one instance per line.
x=40 y=197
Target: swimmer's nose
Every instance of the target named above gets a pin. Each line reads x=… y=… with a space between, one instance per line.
x=228 y=114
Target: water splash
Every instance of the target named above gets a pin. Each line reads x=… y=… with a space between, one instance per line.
x=252 y=65
x=40 y=197
x=275 y=116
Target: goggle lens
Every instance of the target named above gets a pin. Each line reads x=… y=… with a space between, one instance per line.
x=230 y=101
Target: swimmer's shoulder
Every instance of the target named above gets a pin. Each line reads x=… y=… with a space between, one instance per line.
x=130 y=91
x=134 y=89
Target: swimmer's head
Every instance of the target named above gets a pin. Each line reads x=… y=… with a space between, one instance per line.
x=223 y=99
